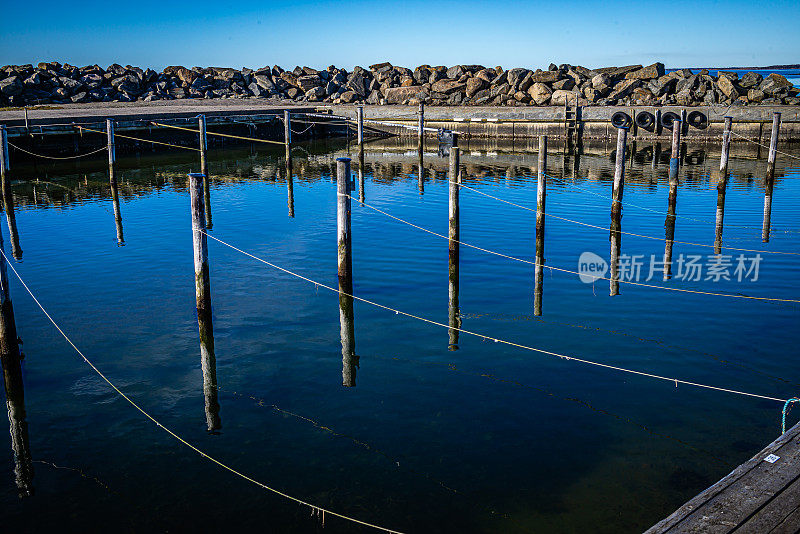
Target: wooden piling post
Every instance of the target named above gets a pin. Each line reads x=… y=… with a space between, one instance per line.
x=541 y=184
x=7 y=194
x=541 y=194
x=726 y=143
x=773 y=145
x=112 y=179
x=619 y=173
x=203 y=301
x=287 y=132
x=345 y=272
x=454 y=319
x=676 y=140
x=360 y=124
x=204 y=169
x=615 y=238
x=453 y=209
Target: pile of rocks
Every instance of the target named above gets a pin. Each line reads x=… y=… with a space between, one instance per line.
x=384 y=83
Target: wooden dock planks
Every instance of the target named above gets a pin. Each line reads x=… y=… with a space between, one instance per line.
x=756 y=497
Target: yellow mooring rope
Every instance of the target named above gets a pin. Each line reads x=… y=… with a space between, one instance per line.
x=316 y=509
x=138 y=139
x=219 y=134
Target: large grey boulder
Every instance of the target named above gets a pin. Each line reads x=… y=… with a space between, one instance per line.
x=651 y=72
x=399 y=95
x=540 y=93
x=11 y=86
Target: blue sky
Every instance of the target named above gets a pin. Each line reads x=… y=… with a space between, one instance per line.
x=528 y=34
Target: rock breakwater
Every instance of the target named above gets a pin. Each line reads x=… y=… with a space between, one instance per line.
x=383 y=83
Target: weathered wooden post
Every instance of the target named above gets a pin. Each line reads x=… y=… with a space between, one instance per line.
x=773 y=145
x=112 y=179
x=11 y=359
x=722 y=185
x=204 y=169
x=619 y=173
x=726 y=143
x=202 y=283
x=541 y=184
x=360 y=124
x=345 y=261
x=287 y=132
x=8 y=196
x=656 y=155
x=541 y=193
x=453 y=210
x=676 y=141
x=421 y=125
x=615 y=237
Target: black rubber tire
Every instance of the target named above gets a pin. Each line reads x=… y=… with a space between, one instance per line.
x=697 y=119
x=620 y=119
x=668 y=118
x=645 y=120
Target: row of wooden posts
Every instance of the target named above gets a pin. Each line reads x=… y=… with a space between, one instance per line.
x=11 y=355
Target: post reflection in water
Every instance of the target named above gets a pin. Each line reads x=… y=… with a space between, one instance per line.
x=539 y=272
x=722 y=186
x=11 y=359
x=769 y=183
x=361 y=196
x=208 y=361
x=421 y=173
x=11 y=218
x=112 y=178
x=669 y=223
x=290 y=186
x=453 y=312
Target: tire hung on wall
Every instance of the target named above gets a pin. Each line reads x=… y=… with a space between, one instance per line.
x=697 y=119
x=645 y=120
x=668 y=119
x=620 y=119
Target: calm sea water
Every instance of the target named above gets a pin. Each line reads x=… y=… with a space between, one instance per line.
x=485 y=438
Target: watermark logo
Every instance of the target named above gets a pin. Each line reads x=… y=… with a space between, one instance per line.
x=591 y=267
x=686 y=267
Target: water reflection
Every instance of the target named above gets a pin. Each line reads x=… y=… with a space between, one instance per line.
x=11 y=359
x=290 y=186
x=208 y=361
x=769 y=184
x=669 y=223
x=112 y=179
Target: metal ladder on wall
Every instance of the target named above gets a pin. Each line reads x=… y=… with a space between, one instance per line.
x=572 y=117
